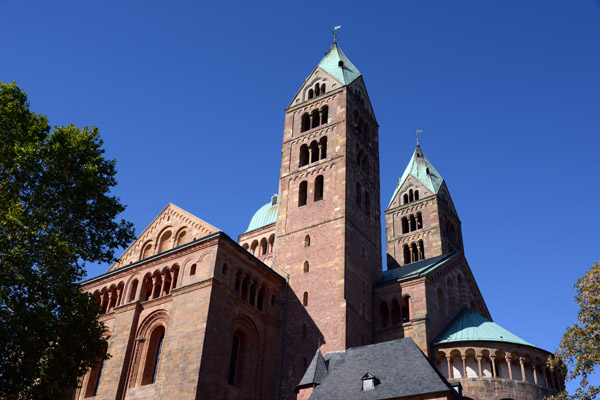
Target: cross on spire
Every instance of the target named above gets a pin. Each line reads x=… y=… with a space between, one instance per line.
x=417 y=131
x=333 y=30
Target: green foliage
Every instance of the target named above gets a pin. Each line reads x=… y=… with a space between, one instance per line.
x=580 y=345
x=56 y=214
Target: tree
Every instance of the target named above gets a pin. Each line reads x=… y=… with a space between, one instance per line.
x=56 y=214
x=580 y=346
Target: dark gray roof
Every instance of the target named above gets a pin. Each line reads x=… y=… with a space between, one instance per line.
x=399 y=366
x=415 y=269
x=316 y=371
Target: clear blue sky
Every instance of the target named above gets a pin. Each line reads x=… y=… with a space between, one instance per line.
x=190 y=97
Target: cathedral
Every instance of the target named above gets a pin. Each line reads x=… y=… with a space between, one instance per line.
x=298 y=307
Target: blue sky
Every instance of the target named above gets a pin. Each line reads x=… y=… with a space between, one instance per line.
x=190 y=97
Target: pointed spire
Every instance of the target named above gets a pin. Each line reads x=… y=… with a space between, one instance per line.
x=336 y=64
x=420 y=167
x=316 y=371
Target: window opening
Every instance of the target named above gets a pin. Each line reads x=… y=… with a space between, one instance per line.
x=404 y=225
x=193 y=270
x=323 y=147
x=311 y=94
x=305 y=299
x=305 y=125
x=324 y=115
x=319 y=188
x=302 y=194
x=307 y=241
x=314 y=151
x=314 y=116
x=306 y=266
x=303 y=155
x=406 y=309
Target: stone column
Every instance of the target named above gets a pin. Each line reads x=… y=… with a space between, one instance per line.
x=479 y=365
x=535 y=380
x=464 y=362
x=493 y=358
x=522 y=362
x=449 y=367
x=321 y=151
x=510 y=376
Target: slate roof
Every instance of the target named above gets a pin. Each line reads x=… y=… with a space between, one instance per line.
x=264 y=216
x=316 y=371
x=468 y=325
x=418 y=166
x=399 y=366
x=415 y=269
x=330 y=63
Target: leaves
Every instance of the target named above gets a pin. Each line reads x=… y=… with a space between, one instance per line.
x=580 y=345
x=57 y=214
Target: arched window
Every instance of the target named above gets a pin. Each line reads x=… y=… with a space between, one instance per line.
x=413 y=223
x=133 y=290
x=306 y=267
x=303 y=155
x=146 y=251
x=419 y=220
x=315 y=119
x=181 y=238
x=311 y=94
x=193 y=270
x=405 y=198
x=252 y=294
x=302 y=194
x=305 y=123
x=271 y=243
x=395 y=311
x=384 y=314
x=260 y=298
x=147 y=289
x=236 y=360
x=416 y=195
x=245 y=287
x=153 y=354
x=164 y=242
x=94 y=380
x=317 y=90
x=404 y=225
x=421 y=250
x=305 y=299
x=306 y=241
x=358 y=195
x=314 y=151
x=319 y=188
x=263 y=246
x=406 y=251
x=322 y=88
x=324 y=115
x=406 y=309
x=238 y=281
x=410 y=196
x=323 y=147
x=367 y=202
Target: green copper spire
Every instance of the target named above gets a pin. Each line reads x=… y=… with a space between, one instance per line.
x=420 y=167
x=336 y=64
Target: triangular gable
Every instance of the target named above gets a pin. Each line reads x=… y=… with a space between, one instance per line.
x=320 y=76
x=171 y=228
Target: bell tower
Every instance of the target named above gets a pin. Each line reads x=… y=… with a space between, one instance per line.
x=328 y=224
x=421 y=221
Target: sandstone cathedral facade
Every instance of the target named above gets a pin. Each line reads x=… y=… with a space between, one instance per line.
x=299 y=307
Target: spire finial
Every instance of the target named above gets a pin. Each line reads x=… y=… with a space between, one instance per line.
x=333 y=30
x=417 y=131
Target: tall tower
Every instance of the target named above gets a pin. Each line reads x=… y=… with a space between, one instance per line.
x=421 y=221
x=328 y=223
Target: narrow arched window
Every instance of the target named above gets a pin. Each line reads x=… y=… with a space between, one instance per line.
x=410 y=196
x=314 y=151
x=358 y=195
x=260 y=297
x=165 y=241
x=405 y=198
x=302 y=193
x=193 y=270
x=315 y=119
x=133 y=290
x=306 y=241
x=305 y=299
x=317 y=90
x=94 y=380
x=263 y=246
x=245 y=287
x=147 y=251
x=322 y=88
x=303 y=156
x=419 y=220
x=367 y=202
x=181 y=238
x=153 y=354
x=406 y=254
x=414 y=253
x=413 y=223
x=271 y=243
x=416 y=195
x=311 y=94
x=306 y=267
x=323 y=147
x=395 y=311
x=421 y=250
x=319 y=188
x=324 y=115
x=252 y=294
x=384 y=314
x=238 y=281
x=404 y=225
x=253 y=247
x=236 y=361
x=406 y=309
x=305 y=122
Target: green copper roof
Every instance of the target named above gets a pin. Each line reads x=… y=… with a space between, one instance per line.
x=265 y=215
x=331 y=64
x=420 y=167
x=468 y=325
